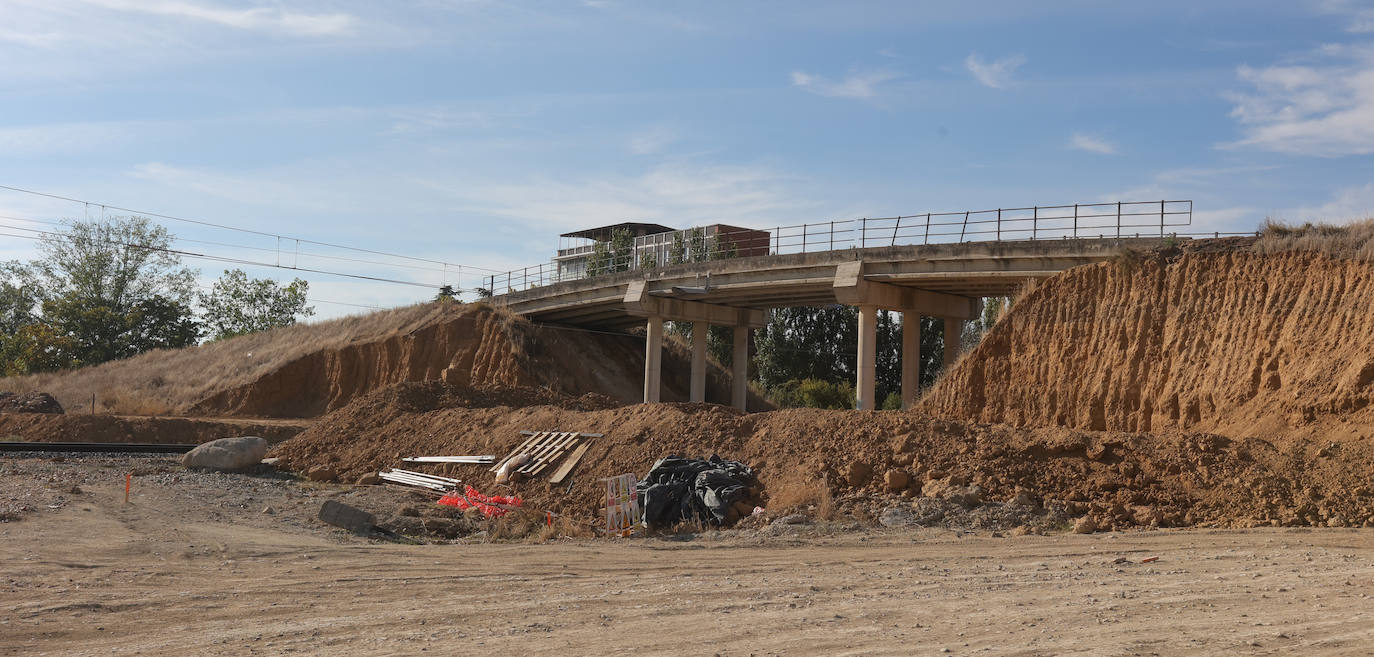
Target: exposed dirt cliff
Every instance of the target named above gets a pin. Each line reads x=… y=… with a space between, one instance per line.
x=1228 y=341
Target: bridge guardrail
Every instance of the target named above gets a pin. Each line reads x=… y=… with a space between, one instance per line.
x=1078 y=221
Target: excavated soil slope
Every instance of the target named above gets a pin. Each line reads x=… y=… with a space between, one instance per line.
x=1121 y=479
x=482 y=347
x=1231 y=342
x=306 y=371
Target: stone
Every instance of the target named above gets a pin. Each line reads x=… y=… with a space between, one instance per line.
x=1335 y=521
x=29 y=402
x=904 y=460
x=1084 y=525
x=896 y=480
x=227 y=454
x=896 y=517
x=858 y=473
x=793 y=519
x=1023 y=497
x=968 y=497
x=369 y=479
x=321 y=473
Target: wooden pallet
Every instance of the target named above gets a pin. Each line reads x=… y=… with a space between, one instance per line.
x=545 y=449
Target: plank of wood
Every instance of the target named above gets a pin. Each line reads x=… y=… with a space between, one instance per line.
x=554 y=447
x=553 y=457
x=518 y=450
x=539 y=448
x=563 y=471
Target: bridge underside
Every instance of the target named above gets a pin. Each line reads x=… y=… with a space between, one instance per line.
x=940 y=280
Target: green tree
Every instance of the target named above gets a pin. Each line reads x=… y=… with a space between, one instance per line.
x=238 y=305
x=677 y=253
x=107 y=290
x=446 y=294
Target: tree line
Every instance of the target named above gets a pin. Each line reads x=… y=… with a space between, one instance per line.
x=105 y=290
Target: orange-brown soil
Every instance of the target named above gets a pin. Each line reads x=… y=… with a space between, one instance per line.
x=1121 y=479
x=1230 y=342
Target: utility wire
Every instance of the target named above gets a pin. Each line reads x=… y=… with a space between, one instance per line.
x=238 y=261
x=235 y=228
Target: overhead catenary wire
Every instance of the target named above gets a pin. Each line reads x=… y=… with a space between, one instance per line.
x=238 y=261
x=210 y=224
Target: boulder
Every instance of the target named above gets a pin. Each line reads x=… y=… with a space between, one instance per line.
x=321 y=473
x=369 y=479
x=896 y=480
x=29 y=402
x=227 y=454
x=951 y=489
x=1084 y=525
x=858 y=473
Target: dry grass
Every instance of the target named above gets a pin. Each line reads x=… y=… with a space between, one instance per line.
x=802 y=492
x=171 y=381
x=1354 y=240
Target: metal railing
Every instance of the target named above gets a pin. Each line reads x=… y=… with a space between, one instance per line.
x=1044 y=222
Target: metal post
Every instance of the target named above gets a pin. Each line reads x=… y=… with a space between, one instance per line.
x=927 y=237
x=895 y=229
x=999 y=224
x=1075 y=221
x=1161 y=218
x=1035 y=222
x=832 y=236
x=863 y=233
x=803 y=238
x=963 y=228
x=1118 y=220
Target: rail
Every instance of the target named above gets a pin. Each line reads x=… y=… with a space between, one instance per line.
x=1043 y=222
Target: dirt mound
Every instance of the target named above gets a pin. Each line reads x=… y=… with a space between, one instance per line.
x=805 y=457
x=29 y=402
x=49 y=428
x=1222 y=340
x=307 y=371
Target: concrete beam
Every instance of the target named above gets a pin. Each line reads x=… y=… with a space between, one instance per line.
x=954 y=331
x=653 y=360
x=865 y=389
x=852 y=288
x=637 y=301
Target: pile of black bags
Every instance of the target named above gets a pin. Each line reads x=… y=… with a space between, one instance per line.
x=715 y=491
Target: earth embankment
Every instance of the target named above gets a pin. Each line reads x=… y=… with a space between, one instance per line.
x=1228 y=341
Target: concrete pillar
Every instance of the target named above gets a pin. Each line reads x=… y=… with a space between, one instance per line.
x=866 y=388
x=739 y=369
x=954 y=328
x=653 y=359
x=911 y=357
x=699 y=334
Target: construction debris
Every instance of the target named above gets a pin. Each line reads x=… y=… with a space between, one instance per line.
x=419 y=480
x=538 y=452
x=714 y=491
x=491 y=506
x=475 y=460
x=353 y=519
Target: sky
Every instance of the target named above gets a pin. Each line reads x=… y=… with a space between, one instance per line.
x=466 y=135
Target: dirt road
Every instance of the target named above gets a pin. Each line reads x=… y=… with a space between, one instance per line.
x=157 y=577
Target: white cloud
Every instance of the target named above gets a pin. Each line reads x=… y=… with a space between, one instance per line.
x=1086 y=142
x=1324 y=108
x=862 y=85
x=1349 y=204
x=1361 y=18
x=652 y=140
x=258 y=18
x=996 y=74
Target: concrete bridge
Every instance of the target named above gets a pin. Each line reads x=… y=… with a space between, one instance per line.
x=936 y=264
x=941 y=280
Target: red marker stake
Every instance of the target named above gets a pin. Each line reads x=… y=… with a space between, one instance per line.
x=128 y=481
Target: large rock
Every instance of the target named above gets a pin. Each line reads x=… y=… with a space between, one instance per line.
x=29 y=402
x=227 y=454
x=896 y=480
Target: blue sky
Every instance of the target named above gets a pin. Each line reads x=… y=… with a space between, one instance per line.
x=473 y=132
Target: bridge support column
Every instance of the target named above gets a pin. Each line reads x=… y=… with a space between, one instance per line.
x=865 y=389
x=739 y=370
x=911 y=357
x=954 y=329
x=699 y=335
x=653 y=359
